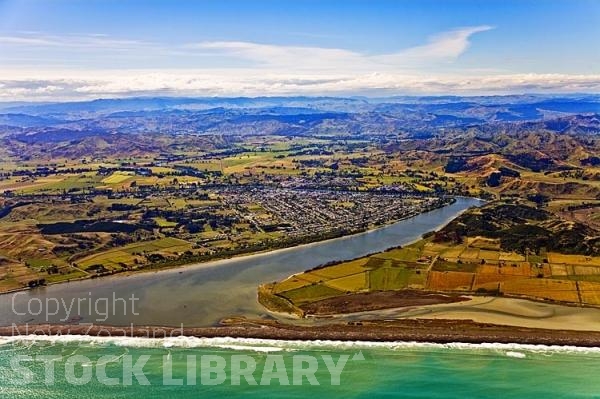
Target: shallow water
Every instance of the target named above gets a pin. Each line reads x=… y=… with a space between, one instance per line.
x=405 y=370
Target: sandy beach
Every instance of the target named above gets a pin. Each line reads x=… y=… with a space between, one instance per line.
x=516 y=312
x=494 y=310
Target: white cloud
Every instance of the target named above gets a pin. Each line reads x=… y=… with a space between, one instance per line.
x=444 y=47
x=90 y=42
x=28 y=41
x=254 y=83
x=276 y=56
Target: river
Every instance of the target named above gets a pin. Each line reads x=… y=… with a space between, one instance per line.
x=202 y=294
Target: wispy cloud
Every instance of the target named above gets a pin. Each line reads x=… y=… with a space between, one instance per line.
x=87 y=41
x=27 y=41
x=445 y=47
x=275 y=56
x=88 y=48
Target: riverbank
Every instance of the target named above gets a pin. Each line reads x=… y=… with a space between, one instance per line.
x=216 y=259
x=440 y=331
x=201 y=294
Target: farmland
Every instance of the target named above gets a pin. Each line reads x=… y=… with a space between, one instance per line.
x=475 y=265
x=128 y=256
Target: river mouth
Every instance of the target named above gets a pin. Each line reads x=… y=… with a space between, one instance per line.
x=201 y=295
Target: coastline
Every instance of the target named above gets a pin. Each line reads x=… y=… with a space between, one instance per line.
x=440 y=331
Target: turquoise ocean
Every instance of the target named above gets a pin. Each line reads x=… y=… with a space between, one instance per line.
x=374 y=370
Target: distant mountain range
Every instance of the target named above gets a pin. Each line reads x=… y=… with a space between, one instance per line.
x=495 y=142
x=415 y=116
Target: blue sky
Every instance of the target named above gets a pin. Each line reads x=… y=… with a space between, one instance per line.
x=89 y=48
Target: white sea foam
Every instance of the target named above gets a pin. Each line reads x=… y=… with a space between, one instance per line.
x=271 y=345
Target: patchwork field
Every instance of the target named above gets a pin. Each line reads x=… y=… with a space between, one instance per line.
x=396 y=269
x=477 y=266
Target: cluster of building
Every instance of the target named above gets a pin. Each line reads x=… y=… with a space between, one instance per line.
x=303 y=211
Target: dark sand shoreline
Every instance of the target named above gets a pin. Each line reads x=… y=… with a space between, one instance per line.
x=441 y=331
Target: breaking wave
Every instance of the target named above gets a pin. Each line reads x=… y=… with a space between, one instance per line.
x=271 y=345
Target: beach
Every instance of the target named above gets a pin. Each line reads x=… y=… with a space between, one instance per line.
x=411 y=330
